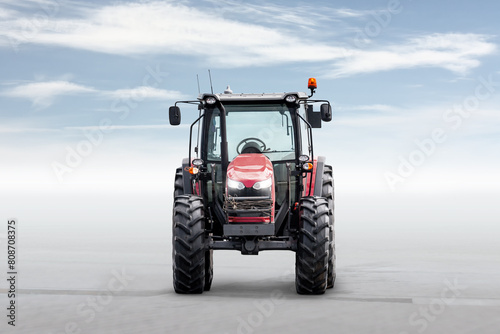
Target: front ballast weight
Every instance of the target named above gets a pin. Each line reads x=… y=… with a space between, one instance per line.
x=248 y=209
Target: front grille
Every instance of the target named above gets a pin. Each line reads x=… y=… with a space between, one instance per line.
x=260 y=206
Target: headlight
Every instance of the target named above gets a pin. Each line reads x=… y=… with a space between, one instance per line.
x=303 y=158
x=263 y=184
x=210 y=100
x=197 y=162
x=291 y=98
x=235 y=184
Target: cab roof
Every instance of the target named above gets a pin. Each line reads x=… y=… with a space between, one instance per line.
x=253 y=97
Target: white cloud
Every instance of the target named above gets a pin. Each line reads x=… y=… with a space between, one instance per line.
x=346 y=12
x=302 y=16
x=123 y=127
x=29 y=3
x=173 y=28
x=404 y=124
x=19 y=129
x=42 y=94
x=455 y=52
x=145 y=92
x=376 y=122
x=26 y=130
x=370 y=107
x=249 y=35
x=6 y=13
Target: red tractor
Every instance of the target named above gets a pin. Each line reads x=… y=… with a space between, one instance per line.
x=252 y=183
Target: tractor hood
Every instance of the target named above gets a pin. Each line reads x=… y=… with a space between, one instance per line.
x=250 y=168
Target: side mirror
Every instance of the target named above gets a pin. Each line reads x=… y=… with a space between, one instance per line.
x=174 y=114
x=326 y=112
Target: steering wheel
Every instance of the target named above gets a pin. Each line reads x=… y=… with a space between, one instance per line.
x=262 y=145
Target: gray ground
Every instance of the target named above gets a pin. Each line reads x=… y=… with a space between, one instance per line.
x=101 y=264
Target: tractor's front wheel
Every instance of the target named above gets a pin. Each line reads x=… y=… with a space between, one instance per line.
x=179 y=183
x=189 y=248
x=311 y=263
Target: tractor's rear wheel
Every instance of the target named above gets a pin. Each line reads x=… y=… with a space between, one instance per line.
x=328 y=193
x=311 y=263
x=189 y=247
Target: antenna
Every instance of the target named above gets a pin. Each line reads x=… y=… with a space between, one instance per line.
x=198 y=79
x=210 y=76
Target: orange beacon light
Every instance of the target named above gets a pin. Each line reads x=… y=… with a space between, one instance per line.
x=312 y=85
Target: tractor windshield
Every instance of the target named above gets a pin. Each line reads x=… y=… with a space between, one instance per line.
x=264 y=128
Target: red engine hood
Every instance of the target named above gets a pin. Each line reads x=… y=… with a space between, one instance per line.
x=250 y=168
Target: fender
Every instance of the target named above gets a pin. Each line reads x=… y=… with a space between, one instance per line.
x=317 y=176
x=186 y=177
x=319 y=169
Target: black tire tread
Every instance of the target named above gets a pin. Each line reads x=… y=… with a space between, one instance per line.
x=328 y=192
x=179 y=183
x=209 y=269
x=179 y=191
x=311 y=264
x=188 y=244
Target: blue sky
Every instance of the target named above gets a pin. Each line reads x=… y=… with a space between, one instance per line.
x=415 y=86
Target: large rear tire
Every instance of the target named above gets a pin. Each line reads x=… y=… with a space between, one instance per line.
x=189 y=245
x=328 y=193
x=311 y=262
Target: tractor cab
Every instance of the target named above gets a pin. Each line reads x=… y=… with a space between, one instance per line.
x=252 y=167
